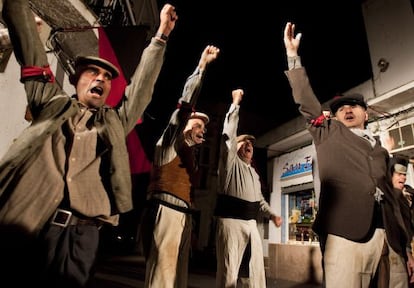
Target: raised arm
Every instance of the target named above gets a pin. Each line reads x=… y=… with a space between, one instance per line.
x=194 y=82
x=231 y=121
x=302 y=91
x=141 y=88
x=188 y=99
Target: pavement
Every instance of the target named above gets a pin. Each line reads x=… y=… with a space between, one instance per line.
x=128 y=271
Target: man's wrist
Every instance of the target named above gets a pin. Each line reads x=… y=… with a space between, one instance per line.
x=162 y=36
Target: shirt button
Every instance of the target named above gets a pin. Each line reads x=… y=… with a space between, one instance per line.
x=69 y=179
x=73 y=159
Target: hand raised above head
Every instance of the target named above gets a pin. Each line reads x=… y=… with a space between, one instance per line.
x=237 y=95
x=291 y=41
x=210 y=53
x=168 y=17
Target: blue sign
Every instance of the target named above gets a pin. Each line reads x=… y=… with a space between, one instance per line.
x=296 y=169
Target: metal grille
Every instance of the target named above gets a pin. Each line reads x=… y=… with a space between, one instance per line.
x=112 y=12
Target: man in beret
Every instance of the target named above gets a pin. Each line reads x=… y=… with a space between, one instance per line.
x=238 y=204
x=68 y=173
x=167 y=221
x=359 y=216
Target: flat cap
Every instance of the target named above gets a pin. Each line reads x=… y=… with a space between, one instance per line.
x=352 y=99
x=244 y=137
x=84 y=61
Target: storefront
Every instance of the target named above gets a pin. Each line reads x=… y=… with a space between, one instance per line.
x=293 y=251
x=294 y=248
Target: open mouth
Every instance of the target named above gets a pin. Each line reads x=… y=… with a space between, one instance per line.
x=349 y=117
x=200 y=136
x=97 y=90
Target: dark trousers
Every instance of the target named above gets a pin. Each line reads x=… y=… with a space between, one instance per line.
x=61 y=257
x=70 y=255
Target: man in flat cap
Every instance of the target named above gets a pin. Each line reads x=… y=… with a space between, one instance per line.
x=359 y=216
x=239 y=202
x=167 y=221
x=68 y=173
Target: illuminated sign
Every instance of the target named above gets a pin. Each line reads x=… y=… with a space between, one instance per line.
x=298 y=167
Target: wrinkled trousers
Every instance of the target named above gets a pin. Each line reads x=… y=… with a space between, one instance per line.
x=167 y=247
x=353 y=264
x=232 y=238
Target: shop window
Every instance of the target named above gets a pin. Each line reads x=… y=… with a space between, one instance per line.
x=302 y=209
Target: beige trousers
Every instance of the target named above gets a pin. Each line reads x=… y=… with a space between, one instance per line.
x=167 y=264
x=232 y=238
x=353 y=264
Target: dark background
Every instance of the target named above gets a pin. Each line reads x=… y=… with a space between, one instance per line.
x=334 y=51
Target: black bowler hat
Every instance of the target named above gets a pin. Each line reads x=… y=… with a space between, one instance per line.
x=352 y=99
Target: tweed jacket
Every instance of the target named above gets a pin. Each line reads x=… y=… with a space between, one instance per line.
x=50 y=111
x=350 y=170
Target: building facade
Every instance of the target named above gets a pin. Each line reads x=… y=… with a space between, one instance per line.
x=294 y=251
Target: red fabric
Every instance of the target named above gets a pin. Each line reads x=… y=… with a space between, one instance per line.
x=318 y=121
x=138 y=160
x=118 y=84
x=30 y=71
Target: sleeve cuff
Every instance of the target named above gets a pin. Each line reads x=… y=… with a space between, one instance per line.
x=294 y=62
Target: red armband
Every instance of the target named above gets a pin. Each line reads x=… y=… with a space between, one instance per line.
x=37 y=73
x=317 y=122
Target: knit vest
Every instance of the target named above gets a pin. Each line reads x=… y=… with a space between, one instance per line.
x=172 y=178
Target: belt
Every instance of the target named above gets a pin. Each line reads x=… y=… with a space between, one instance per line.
x=65 y=218
x=172 y=206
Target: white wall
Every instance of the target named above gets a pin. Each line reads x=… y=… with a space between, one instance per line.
x=13 y=107
x=13 y=98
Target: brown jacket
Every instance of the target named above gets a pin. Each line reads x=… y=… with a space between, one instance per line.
x=350 y=169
